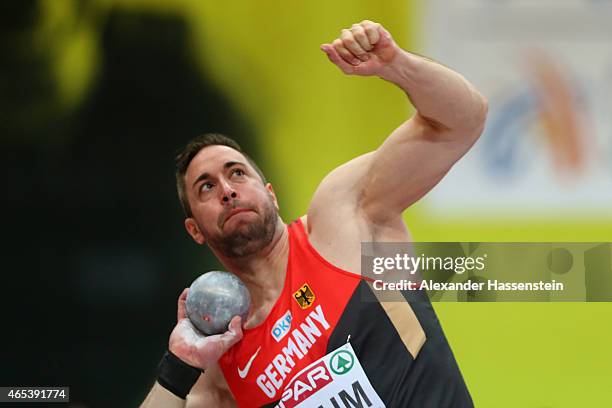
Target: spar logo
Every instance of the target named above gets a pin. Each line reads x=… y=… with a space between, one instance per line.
x=307 y=383
x=341 y=362
x=282 y=326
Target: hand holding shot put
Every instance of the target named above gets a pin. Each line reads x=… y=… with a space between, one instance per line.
x=200 y=350
x=304 y=278
x=210 y=314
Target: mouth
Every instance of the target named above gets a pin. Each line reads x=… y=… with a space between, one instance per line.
x=236 y=211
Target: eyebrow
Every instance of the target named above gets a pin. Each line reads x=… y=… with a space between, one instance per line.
x=226 y=166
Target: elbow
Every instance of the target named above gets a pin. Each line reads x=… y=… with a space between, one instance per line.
x=483 y=109
x=479 y=117
x=470 y=117
x=480 y=108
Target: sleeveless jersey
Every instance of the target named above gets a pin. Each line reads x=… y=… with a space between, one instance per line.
x=328 y=342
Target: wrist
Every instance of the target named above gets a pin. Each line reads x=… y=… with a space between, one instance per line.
x=400 y=68
x=176 y=376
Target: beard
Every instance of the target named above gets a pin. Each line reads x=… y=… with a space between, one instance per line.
x=247 y=239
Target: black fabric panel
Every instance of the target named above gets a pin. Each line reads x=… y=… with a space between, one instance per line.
x=432 y=380
x=440 y=383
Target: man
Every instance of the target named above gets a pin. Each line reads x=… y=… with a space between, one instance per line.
x=308 y=317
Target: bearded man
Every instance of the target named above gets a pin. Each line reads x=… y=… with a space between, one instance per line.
x=310 y=340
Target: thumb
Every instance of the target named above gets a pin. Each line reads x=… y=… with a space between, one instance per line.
x=385 y=47
x=234 y=333
x=181 y=309
x=385 y=37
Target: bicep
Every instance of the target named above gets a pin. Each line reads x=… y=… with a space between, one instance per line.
x=378 y=186
x=336 y=196
x=409 y=163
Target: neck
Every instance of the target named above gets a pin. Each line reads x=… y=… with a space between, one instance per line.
x=263 y=273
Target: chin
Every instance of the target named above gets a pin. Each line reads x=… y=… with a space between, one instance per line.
x=246 y=239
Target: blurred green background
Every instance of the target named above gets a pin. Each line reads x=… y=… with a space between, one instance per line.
x=96 y=96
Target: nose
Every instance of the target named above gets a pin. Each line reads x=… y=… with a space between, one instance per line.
x=227 y=197
x=228 y=193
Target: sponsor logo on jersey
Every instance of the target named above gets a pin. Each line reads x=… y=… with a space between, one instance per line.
x=304 y=296
x=335 y=380
x=299 y=342
x=242 y=373
x=305 y=384
x=341 y=362
x=282 y=326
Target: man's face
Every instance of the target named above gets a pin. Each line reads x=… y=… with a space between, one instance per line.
x=231 y=208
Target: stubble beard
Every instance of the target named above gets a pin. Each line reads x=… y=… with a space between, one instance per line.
x=247 y=240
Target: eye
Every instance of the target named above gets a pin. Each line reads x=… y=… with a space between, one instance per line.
x=238 y=172
x=207 y=186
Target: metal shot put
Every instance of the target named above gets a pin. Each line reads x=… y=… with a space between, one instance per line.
x=316 y=334
x=214 y=298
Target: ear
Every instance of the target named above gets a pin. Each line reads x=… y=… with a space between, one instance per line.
x=192 y=229
x=271 y=191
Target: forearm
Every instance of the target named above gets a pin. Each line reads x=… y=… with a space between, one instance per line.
x=439 y=94
x=159 y=397
x=175 y=380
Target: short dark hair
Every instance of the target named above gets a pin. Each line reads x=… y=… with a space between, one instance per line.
x=187 y=153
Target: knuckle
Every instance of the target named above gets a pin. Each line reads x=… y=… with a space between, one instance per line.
x=357 y=30
x=361 y=37
x=337 y=43
x=345 y=54
x=357 y=51
x=349 y=42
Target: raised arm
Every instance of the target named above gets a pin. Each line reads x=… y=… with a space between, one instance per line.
x=450 y=116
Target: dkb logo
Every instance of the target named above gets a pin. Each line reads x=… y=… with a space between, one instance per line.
x=282 y=326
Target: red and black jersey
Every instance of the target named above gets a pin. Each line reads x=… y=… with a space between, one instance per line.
x=328 y=342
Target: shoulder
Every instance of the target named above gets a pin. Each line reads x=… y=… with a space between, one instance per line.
x=338 y=240
x=335 y=222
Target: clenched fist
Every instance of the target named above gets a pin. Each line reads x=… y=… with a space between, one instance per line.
x=364 y=49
